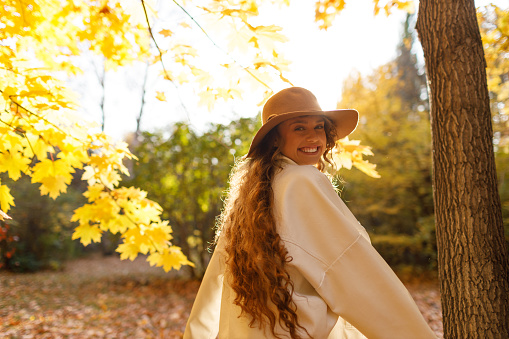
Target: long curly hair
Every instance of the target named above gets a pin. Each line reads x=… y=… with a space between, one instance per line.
x=256 y=257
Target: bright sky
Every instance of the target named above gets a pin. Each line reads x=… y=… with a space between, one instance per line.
x=321 y=60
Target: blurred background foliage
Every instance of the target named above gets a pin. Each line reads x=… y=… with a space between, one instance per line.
x=186 y=172
x=40 y=230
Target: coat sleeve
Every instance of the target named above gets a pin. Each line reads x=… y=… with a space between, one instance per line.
x=329 y=251
x=203 y=321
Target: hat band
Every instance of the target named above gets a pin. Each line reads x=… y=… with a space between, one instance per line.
x=270 y=117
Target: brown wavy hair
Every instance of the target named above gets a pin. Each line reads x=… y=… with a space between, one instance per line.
x=256 y=257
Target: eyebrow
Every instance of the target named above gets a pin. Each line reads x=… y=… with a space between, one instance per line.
x=304 y=121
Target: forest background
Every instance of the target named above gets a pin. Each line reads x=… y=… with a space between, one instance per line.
x=185 y=171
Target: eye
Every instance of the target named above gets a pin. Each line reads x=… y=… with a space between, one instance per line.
x=320 y=127
x=299 y=128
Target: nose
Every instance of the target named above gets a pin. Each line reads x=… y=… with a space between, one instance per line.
x=312 y=135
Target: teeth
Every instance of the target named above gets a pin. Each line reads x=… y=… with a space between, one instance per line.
x=309 y=149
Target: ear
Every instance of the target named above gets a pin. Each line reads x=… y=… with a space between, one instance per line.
x=276 y=142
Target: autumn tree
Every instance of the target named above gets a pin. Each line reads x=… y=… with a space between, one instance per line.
x=473 y=256
x=472 y=252
x=395 y=122
x=42 y=137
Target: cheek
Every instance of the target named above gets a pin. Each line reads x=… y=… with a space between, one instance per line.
x=324 y=139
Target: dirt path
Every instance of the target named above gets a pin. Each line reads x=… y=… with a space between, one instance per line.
x=108 y=298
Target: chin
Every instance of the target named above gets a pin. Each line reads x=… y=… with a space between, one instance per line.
x=309 y=162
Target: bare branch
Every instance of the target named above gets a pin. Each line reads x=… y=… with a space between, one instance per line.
x=222 y=50
x=161 y=56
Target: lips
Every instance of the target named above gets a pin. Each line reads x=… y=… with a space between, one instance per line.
x=309 y=150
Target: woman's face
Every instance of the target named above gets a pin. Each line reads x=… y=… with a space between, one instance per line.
x=302 y=139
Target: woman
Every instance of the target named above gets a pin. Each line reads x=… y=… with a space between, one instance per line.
x=291 y=260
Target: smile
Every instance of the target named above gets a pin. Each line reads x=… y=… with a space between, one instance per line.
x=309 y=149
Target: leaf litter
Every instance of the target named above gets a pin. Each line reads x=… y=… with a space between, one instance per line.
x=104 y=297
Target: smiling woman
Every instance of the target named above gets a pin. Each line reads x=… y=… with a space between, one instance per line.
x=291 y=260
x=302 y=139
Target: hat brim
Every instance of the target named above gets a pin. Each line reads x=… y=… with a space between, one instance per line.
x=345 y=121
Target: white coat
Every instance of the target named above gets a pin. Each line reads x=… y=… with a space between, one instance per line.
x=343 y=287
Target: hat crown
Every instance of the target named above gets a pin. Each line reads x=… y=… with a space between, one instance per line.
x=294 y=99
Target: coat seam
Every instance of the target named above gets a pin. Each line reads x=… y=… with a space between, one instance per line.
x=303 y=249
x=337 y=259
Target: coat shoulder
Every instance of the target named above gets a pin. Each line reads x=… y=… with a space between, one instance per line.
x=300 y=174
x=305 y=177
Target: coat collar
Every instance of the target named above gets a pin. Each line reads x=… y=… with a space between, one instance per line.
x=285 y=160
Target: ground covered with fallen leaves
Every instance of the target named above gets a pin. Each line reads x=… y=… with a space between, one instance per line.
x=103 y=297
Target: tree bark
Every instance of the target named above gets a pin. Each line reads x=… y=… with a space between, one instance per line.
x=472 y=253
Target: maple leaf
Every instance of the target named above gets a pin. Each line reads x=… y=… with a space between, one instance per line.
x=14 y=163
x=367 y=168
x=166 y=33
x=160 y=96
x=87 y=233
x=343 y=159
x=53 y=186
x=128 y=251
x=53 y=175
x=6 y=199
x=207 y=99
x=159 y=234
x=120 y=225
x=93 y=192
x=170 y=258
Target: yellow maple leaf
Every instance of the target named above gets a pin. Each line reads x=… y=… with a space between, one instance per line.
x=166 y=33
x=109 y=179
x=171 y=257
x=343 y=159
x=128 y=251
x=120 y=225
x=207 y=98
x=367 y=167
x=160 y=96
x=87 y=233
x=49 y=168
x=53 y=186
x=6 y=199
x=14 y=163
x=53 y=175
x=93 y=192
x=159 y=234
x=203 y=78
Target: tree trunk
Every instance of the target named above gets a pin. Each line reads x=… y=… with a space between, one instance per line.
x=472 y=254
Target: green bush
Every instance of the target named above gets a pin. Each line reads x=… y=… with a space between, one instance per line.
x=41 y=227
x=418 y=251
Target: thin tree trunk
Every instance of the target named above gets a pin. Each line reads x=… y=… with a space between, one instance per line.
x=472 y=254
x=102 y=77
x=143 y=91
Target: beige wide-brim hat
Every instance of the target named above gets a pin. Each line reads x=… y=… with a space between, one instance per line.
x=296 y=101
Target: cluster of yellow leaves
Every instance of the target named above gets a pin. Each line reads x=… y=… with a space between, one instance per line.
x=126 y=211
x=327 y=10
x=249 y=59
x=103 y=27
x=41 y=138
x=348 y=153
